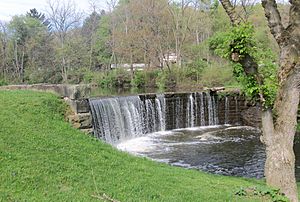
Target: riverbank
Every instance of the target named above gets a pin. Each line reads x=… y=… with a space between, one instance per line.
x=42 y=158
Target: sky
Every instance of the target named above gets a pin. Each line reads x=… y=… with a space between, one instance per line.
x=9 y=8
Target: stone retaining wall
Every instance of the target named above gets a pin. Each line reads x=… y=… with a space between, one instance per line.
x=77 y=98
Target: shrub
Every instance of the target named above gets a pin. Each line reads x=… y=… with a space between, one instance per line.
x=3 y=82
x=194 y=69
x=139 y=79
x=115 y=78
x=216 y=76
x=166 y=80
x=151 y=77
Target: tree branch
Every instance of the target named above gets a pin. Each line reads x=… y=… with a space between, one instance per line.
x=274 y=20
x=230 y=11
x=294 y=16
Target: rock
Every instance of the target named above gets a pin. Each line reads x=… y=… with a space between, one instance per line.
x=78 y=106
x=78 y=91
x=81 y=121
x=64 y=90
x=252 y=116
x=216 y=89
x=88 y=131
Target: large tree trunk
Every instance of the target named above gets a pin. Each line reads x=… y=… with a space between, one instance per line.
x=279 y=125
x=279 y=138
x=280 y=161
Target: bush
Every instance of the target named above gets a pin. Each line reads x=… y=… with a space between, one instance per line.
x=3 y=82
x=139 y=79
x=115 y=78
x=194 y=69
x=217 y=76
x=151 y=77
x=166 y=80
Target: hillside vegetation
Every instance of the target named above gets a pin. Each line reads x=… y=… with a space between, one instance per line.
x=42 y=158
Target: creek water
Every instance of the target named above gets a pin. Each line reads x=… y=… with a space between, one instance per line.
x=225 y=150
x=191 y=130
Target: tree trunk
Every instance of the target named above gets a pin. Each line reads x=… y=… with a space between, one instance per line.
x=22 y=71
x=131 y=66
x=280 y=162
x=279 y=128
x=279 y=138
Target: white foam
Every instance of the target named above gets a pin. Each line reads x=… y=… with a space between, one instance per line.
x=198 y=128
x=241 y=127
x=137 y=145
x=208 y=136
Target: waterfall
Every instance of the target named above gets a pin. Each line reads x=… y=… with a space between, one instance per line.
x=226 y=110
x=178 y=111
x=202 y=112
x=191 y=113
x=117 y=118
x=210 y=109
x=150 y=116
x=161 y=110
x=120 y=118
x=237 y=108
x=215 y=111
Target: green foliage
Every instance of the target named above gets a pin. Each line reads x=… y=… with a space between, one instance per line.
x=195 y=68
x=239 y=43
x=42 y=158
x=273 y=194
x=166 y=80
x=114 y=78
x=3 y=82
x=216 y=76
x=238 y=40
x=139 y=79
x=103 y=50
x=150 y=77
x=23 y=28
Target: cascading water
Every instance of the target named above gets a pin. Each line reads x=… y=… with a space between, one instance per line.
x=121 y=118
x=202 y=115
x=212 y=112
x=226 y=110
x=161 y=109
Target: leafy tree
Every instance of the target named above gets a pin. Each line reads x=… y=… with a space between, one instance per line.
x=40 y=16
x=63 y=17
x=24 y=31
x=279 y=115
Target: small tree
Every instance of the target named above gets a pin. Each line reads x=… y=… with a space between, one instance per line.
x=252 y=67
x=63 y=17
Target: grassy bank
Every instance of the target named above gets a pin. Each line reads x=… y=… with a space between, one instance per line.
x=42 y=158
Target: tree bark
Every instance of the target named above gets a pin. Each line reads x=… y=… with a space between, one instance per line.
x=232 y=14
x=280 y=162
x=279 y=124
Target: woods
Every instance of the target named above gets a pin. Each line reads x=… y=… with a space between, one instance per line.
x=167 y=44
x=168 y=39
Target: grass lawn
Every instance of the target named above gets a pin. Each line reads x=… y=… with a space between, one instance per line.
x=42 y=158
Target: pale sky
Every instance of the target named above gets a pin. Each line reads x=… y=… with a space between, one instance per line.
x=9 y=8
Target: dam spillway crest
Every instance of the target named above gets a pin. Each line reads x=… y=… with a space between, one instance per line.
x=202 y=131
x=121 y=118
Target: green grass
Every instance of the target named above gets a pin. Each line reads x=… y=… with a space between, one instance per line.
x=42 y=158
